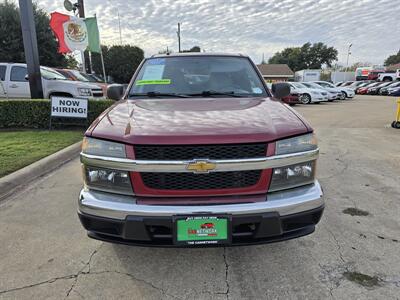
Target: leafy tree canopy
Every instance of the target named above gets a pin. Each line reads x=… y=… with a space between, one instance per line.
x=120 y=61
x=11 y=43
x=193 y=49
x=393 y=59
x=308 y=56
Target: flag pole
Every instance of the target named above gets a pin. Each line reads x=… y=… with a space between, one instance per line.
x=102 y=63
x=101 y=55
x=83 y=62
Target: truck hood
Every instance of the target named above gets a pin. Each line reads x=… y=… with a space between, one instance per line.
x=198 y=121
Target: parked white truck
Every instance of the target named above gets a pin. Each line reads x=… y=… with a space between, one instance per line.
x=14 y=84
x=307 y=75
x=389 y=76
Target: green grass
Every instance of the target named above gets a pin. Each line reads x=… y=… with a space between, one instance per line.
x=21 y=148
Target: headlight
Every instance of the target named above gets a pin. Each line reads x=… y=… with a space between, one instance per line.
x=107 y=180
x=301 y=143
x=103 y=148
x=84 y=92
x=292 y=176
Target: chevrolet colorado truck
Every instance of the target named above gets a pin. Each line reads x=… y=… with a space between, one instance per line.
x=199 y=152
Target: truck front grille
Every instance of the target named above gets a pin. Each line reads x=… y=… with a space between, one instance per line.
x=188 y=152
x=97 y=93
x=190 y=181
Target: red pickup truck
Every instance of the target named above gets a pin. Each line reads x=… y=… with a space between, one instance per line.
x=199 y=139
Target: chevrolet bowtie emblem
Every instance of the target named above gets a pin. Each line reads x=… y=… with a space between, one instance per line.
x=201 y=166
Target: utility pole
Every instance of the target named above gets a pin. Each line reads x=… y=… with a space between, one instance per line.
x=348 y=54
x=179 y=37
x=31 y=48
x=119 y=25
x=85 y=57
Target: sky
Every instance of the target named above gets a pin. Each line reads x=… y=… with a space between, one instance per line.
x=251 y=27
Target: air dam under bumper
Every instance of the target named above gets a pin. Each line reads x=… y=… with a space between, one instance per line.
x=285 y=215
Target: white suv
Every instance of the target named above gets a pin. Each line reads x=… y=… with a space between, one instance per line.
x=14 y=84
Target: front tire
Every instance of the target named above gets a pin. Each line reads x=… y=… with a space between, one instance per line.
x=396 y=124
x=305 y=99
x=343 y=96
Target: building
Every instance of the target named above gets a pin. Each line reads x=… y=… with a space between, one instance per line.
x=276 y=72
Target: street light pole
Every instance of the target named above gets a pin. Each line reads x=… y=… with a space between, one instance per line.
x=85 y=56
x=31 y=48
x=179 y=37
x=119 y=25
x=348 y=54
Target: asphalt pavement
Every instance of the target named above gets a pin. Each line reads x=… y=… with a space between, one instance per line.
x=353 y=254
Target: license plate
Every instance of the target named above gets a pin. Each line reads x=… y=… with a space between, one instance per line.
x=202 y=230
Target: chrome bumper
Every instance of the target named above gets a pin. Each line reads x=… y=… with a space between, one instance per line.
x=115 y=206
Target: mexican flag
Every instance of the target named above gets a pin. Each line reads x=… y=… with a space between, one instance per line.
x=75 y=33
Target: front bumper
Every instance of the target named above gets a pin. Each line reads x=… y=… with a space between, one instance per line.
x=320 y=99
x=284 y=215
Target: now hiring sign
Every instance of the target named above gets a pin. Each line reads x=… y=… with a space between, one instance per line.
x=69 y=107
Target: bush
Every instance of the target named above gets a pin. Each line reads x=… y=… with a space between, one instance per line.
x=36 y=114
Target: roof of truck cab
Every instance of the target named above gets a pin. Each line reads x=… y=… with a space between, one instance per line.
x=197 y=54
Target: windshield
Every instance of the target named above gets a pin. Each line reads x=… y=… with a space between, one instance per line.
x=312 y=85
x=325 y=84
x=195 y=75
x=51 y=74
x=91 y=78
x=298 y=85
x=78 y=75
x=395 y=84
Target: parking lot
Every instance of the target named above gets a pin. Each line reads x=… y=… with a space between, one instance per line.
x=354 y=253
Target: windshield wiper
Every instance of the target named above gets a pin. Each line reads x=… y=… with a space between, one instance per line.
x=157 y=94
x=215 y=93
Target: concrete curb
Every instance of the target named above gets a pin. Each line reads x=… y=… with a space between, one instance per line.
x=24 y=176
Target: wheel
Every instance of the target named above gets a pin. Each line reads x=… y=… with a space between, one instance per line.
x=343 y=96
x=305 y=99
x=396 y=125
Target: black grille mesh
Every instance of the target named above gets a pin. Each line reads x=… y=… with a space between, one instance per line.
x=190 y=181
x=188 y=152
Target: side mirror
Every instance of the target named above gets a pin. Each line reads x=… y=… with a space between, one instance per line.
x=280 y=90
x=115 y=91
x=26 y=77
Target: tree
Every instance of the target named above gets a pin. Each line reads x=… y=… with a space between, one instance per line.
x=306 y=57
x=393 y=59
x=193 y=49
x=120 y=61
x=11 y=43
